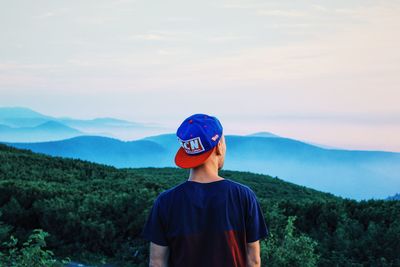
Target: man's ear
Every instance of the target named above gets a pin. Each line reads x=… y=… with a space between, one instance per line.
x=218 y=147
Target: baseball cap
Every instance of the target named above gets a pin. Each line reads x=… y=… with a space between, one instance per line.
x=197 y=135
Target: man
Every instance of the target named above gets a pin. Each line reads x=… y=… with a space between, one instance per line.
x=206 y=221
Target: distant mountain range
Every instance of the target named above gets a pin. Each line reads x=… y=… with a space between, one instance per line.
x=347 y=173
x=49 y=130
x=395 y=197
x=263 y=134
x=18 y=124
x=103 y=150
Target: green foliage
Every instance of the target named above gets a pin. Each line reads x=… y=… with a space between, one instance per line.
x=31 y=254
x=4 y=230
x=290 y=250
x=95 y=214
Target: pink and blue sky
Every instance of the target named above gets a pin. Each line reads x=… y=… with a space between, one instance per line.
x=321 y=71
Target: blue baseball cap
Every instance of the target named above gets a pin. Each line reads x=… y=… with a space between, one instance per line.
x=197 y=135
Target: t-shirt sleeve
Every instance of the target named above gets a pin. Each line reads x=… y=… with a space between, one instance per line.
x=154 y=229
x=256 y=228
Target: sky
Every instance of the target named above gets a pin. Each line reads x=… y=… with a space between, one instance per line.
x=320 y=71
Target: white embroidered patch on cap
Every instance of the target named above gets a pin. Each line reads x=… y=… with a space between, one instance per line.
x=192 y=146
x=215 y=137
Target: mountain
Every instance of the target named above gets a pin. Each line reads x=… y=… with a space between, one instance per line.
x=17 y=122
x=103 y=150
x=113 y=127
x=54 y=126
x=394 y=197
x=92 y=209
x=268 y=134
x=95 y=213
x=21 y=117
x=49 y=130
x=263 y=134
x=98 y=122
x=25 y=160
x=346 y=173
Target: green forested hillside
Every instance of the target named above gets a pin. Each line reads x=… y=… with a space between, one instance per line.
x=95 y=213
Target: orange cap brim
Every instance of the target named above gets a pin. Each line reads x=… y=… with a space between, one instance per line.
x=186 y=161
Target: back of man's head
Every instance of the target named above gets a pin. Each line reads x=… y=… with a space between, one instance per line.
x=200 y=137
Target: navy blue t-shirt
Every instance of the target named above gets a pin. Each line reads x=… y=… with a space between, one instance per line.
x=206 y=224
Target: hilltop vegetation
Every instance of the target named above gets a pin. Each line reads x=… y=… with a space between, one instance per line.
x=291 y=160
x=94 y=213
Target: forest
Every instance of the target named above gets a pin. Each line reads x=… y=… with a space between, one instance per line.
x=54 y=210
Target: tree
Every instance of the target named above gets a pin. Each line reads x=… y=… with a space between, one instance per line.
x=291 y=250
x=31 y=254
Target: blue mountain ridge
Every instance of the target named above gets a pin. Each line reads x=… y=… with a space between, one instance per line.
x=49 y=130
x=103 y=150
x=25 y=117
x=394 y=197
x=347 y=173
x=263 y=134
x=21 y=117
x=19 y=124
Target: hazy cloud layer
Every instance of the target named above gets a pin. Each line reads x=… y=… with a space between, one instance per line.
x=274 y=66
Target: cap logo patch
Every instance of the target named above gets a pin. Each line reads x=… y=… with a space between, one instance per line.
x=192 y=146
x=215 y=137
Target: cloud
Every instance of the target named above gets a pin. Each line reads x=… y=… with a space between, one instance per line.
x=238 y=6
x=51 y=13
x=320 y=8
x=180 y=19
x=226 y=38
x=149 y=37
x=336 y=118
x=96 y=19
x=282 y=13
x=286 y=26
x=173 y=51
x=45 y=15
x=13 y=66
x=159 y=36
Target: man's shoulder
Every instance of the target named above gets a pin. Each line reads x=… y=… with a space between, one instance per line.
x=171 y=191
x=239 y=186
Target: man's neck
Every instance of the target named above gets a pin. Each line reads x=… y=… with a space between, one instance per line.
x=205 y=174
